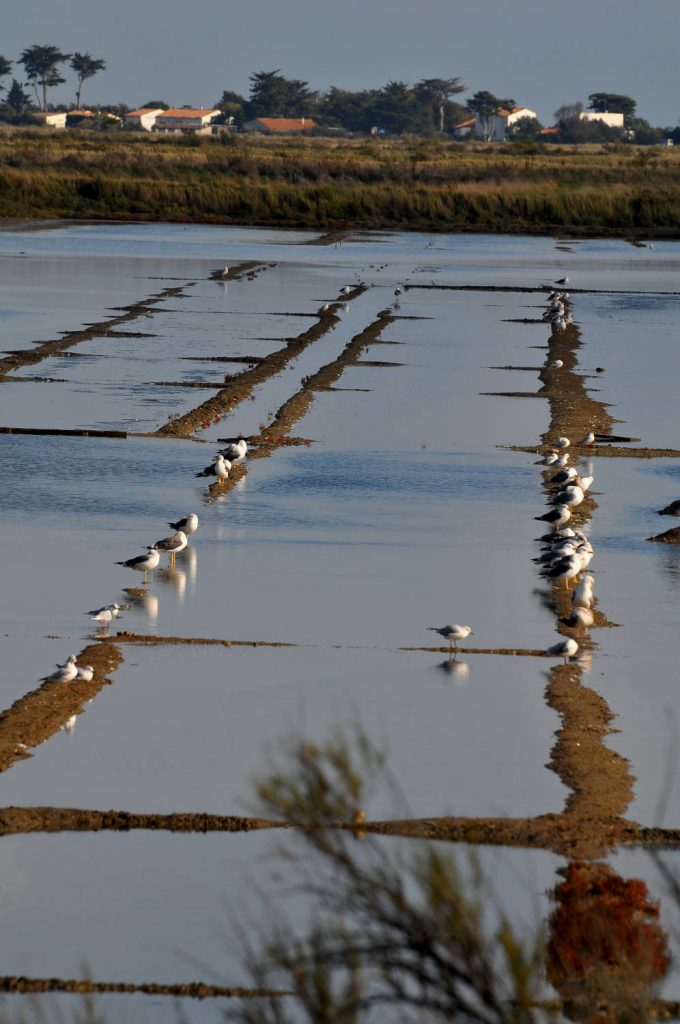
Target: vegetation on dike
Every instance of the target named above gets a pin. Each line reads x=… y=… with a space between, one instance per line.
x=321 y=183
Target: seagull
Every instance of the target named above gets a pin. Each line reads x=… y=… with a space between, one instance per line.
x=564 y=476
x=566 y=569
x=219 y=468
x=671 y=510
x=85 y=673
x=187 y=524
x=106 y=615
x=562 y=442
x=452 y=633
x=557 y=365
x=546 y=460
x=581 y=617
x=173 y=544
x=572 y=495
x=346 y=289
x=588 y=439
x=143 y=563
x=63 y=673
x=582 y=596
x=564 y=649
x=562 y=280
x=324 y=309
x=237 y=450
x=557 y=516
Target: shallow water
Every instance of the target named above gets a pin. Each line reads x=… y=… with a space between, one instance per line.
x=406 y=511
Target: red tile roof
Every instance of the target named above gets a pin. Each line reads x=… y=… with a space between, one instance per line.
x=185 y=112
x=287 y=124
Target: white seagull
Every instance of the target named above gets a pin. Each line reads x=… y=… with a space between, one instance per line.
x=452 y=633
x=172 y=545
x=187 y=524
x=85 y=673
x=237 y=450
x=143 y=563
x=564 y=649
x=63 y=673
x=219 y=468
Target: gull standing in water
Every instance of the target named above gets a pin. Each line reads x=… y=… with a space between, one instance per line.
x=452 y=633
x=105 y=615
x=237 y=450
x=172 y=545
x=144 y=563
x=218 y=468
x=557 y=516
x=187 y=524
x=564 y=649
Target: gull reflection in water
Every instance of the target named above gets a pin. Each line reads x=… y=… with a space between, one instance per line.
x=142 y=599
x=69 y=725
x=459 y=670
x=175 y=578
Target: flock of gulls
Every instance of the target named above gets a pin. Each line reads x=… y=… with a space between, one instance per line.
x=566 y=553
x=219 y=468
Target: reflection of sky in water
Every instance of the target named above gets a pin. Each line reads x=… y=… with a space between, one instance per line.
x=402 y=514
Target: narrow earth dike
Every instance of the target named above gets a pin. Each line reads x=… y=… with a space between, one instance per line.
x=335 y=184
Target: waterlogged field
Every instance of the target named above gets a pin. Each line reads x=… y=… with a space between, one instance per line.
x=390 y=485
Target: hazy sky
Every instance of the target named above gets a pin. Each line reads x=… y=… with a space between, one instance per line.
x=543 y=53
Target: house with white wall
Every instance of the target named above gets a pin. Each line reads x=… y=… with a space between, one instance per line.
x=51 y=120
x=494 y=128
x=144 y=117
x=612 y=120
x=186 y=119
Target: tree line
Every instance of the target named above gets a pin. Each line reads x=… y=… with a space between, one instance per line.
x=428 y=107
x=42 y=68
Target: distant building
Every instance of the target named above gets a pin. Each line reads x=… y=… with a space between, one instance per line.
x=604 y=116
x=52 y=120
x=144 y=118
x=186 y=119
x=280 y=125
x=494 y=128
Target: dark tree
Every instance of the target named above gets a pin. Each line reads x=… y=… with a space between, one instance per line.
x=568 y=112
x=397 y=110
x=85 y=66
x=438 y=91
x=232 y=104
x=5 y=66
x=17 y=99
x=487 y=107
x=524 y=129
x=354 y=111
x=155 y=105
x=613 y=102
x=41 y=64
x=273 y=95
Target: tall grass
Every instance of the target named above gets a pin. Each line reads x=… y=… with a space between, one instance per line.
x=323 y=183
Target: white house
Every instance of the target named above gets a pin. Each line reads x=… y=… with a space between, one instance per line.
x=605 y=116
x=144 y=118
x=495 y=127
x=186 y=119
x=52 y=120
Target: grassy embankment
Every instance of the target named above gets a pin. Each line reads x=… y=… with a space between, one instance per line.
x=328 y=184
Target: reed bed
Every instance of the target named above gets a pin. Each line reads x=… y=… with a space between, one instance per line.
x=322 y=183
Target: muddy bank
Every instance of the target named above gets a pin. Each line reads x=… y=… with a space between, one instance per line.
x=52 y=348
x=42 y=712
x=14 y=820
x=18 y=984
x=241 y=385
